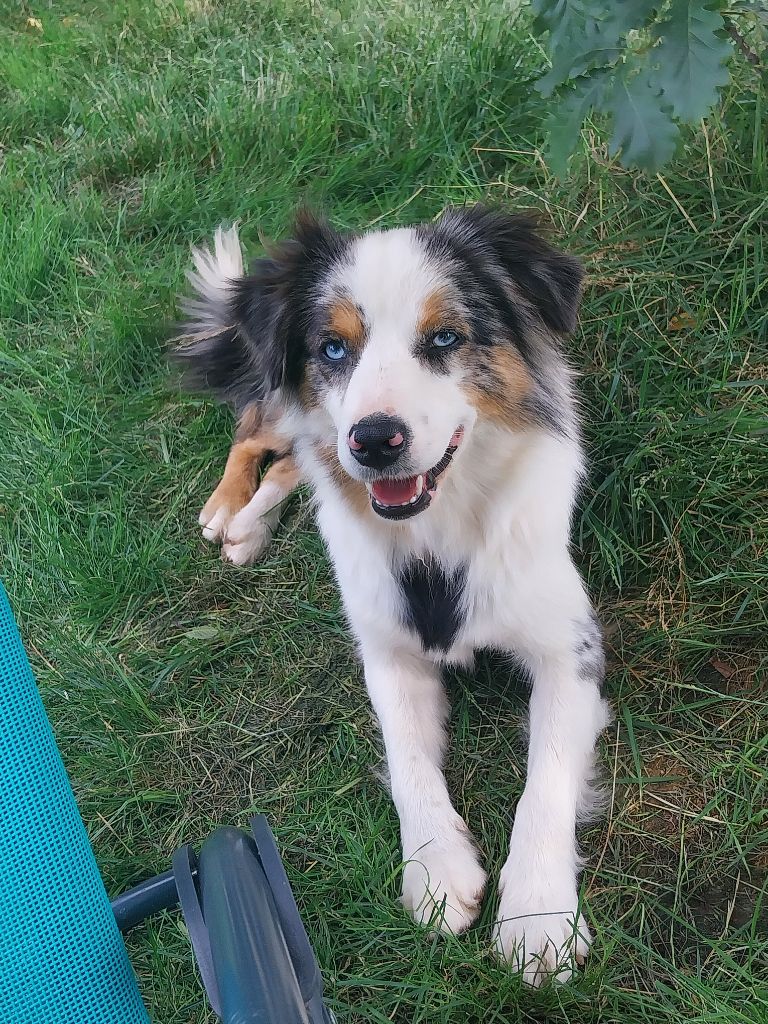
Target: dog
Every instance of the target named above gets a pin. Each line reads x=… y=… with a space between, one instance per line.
x=415 y=378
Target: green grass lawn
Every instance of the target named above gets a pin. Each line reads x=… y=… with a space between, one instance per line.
x=187 y=693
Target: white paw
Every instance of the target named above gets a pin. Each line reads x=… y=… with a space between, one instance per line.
x=214 y=521
x=539 y=929
x=250 y=531
x=443 y=883
x=246 y=547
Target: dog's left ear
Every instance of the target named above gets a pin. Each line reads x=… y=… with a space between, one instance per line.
x=549 y=278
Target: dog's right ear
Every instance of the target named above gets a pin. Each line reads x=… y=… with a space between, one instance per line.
x=244 y=334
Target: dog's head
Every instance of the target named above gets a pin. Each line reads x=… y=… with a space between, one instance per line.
x=391 y=345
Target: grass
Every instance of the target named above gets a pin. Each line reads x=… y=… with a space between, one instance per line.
x=186 y=693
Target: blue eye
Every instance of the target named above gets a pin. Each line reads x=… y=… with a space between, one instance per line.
x=334 y=350
x=444 y=339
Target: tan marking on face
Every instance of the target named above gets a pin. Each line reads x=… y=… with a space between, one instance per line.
x=355 y=493
x=497 y=384
x=345 y=321
x=437 y=312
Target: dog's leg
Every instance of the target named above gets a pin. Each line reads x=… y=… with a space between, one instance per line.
x=242 y=513
x=251 y=530
x=539 y=927
x=443 y=881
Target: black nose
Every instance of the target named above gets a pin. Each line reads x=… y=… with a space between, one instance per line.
x=378 y=441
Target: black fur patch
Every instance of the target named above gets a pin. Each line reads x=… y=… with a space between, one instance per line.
x=433 y=602
x=485 y=251
x=485 y=240
x=256 y=342
x=490 y=308
x=215 y=363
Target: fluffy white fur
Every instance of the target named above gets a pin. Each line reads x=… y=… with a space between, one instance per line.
x=503 y=508
x=525 y=597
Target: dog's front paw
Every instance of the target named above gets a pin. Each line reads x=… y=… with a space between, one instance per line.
x=220 y=509
x=443 y=883
x=250 y=531
x=539 y=929
x=247 y=537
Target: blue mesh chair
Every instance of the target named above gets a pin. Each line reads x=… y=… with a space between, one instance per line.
x=62 y=957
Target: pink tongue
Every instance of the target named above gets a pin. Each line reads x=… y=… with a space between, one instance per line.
x=394 y=492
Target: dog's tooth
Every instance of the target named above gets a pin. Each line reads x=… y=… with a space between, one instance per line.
x=419 y=486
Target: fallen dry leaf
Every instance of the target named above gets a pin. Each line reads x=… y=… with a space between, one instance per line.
x=722 y=667
x=681 y=322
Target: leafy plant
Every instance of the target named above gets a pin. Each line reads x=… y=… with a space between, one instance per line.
x=648 y=66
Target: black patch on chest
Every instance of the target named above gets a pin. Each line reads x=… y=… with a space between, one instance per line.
x=433 y=601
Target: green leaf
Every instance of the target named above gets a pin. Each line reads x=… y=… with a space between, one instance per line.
x=584 y=34
x=564 y=68
x=642 y=129
x=571 y=35
x=566 y=118
x=690 y=58
x=202 y=633
x=550 y=13
x=619 y=17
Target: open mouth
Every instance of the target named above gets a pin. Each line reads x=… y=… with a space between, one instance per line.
x=405 y=497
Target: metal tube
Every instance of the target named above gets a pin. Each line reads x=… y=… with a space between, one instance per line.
x=134 y=906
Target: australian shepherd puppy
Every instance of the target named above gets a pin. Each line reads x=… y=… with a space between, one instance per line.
x=414 y=378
